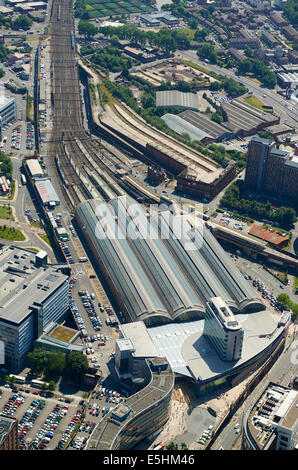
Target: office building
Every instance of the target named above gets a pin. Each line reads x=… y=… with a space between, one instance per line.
x=223 y=330
x=132 y=348
x=271 y=170
x=8 y=433
x=7 y=111
x=30 y=298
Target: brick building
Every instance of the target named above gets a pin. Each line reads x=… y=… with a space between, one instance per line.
x=8 y=433
x=271 y=170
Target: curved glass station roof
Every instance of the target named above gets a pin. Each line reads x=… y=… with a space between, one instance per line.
x=164 y=267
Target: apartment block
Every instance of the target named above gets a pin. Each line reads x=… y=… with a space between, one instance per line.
x=271 y=170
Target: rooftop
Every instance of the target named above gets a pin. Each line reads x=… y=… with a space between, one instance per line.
x=104 y=435
x=46 y=191
x=190 y=354
x=140 y=339
x=177 y=98
x=267 y=235
x=22 y=284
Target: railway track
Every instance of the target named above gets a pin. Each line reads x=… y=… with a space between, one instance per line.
x=78 y=153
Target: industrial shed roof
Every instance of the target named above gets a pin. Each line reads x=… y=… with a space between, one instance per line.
x=177 y=98
x=204 y=124
x=34 y=168
x=179 y=125
x=159 y=273
x=47 y=192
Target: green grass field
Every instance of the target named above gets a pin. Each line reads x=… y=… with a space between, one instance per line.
x=11 y=233
x=6 y=213
x=101 y=8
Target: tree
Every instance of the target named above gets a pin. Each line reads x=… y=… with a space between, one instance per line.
x=248 y=51
x=76 y=366
x=55 y=364
x=201 y=34
x=52 y=386
x=22 y=22
x=37 y=360
x=172 y=446
x=87 y=29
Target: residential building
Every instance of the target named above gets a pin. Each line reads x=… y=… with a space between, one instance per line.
x=242 y=43
x=270 y=169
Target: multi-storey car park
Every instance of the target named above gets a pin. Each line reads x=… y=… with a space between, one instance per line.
x=141 y=415
x=31 y=296
x=157 y=279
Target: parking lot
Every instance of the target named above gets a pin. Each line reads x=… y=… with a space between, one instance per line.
x=102 y=401
x=42 y=421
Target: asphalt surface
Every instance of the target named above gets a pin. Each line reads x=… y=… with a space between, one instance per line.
x=282 y=372
x=279 y=103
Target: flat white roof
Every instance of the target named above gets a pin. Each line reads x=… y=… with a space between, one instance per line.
x=189 y=353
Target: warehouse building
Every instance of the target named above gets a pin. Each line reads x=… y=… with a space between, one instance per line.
x=240 y=119
x=46 y=192
x=34 y=168
x=179 y=125
x=177 y=99
x=287 y=80
x=269 y=236
x=161 y=280
x=216 y=131
x=30 y=298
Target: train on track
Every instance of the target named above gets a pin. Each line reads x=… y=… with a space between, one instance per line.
x=72 y=41
x=61 y=174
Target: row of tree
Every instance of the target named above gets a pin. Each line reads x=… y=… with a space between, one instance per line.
x=5 y=166
x=167 y=40
x=287 y=302
x=111 y=59
x=234 y=198
x=290 y=10
x=230 y=86
x=259 y=70
x=73 y=365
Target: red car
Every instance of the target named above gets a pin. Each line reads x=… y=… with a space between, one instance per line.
x=35 y=392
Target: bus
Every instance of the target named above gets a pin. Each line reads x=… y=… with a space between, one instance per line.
x=23 y=179
x=19 y=378
x=38 y=383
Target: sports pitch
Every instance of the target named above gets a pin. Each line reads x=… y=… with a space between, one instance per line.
x=101 y=8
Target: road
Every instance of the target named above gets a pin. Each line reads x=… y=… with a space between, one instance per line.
x=282 y=372
x=279 y=103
